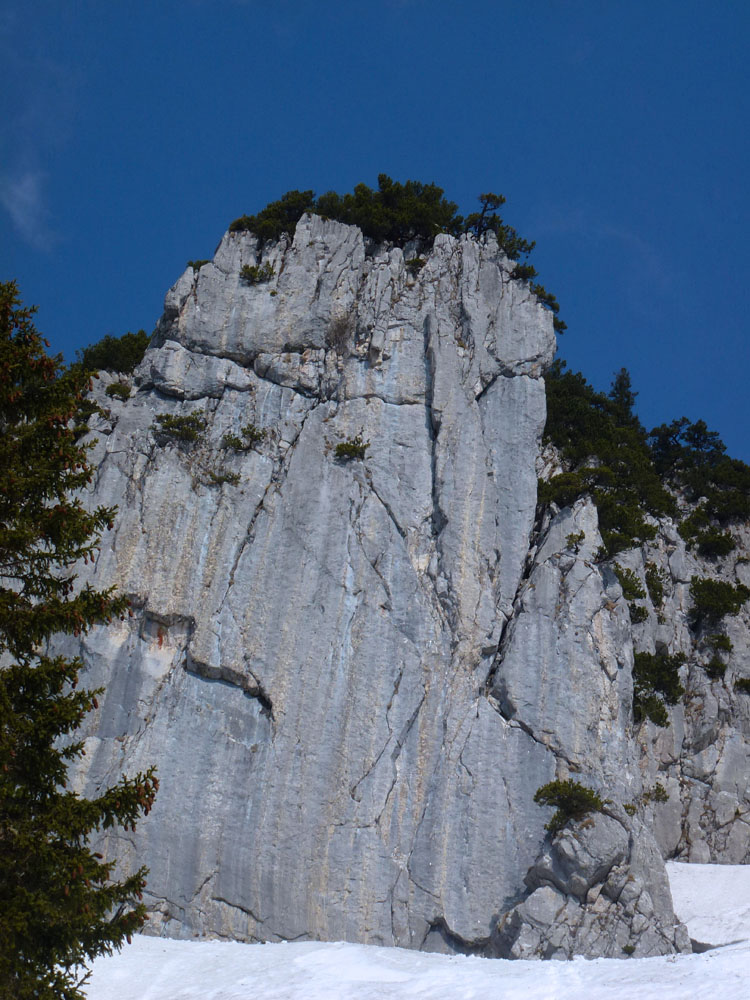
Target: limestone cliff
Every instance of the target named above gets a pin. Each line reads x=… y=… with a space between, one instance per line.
x=353 y=674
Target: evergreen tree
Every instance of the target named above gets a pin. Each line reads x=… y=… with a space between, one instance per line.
x=59 y=905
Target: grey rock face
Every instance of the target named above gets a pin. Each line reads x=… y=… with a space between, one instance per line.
x=353 y=675
x=597 y=891
x=702 y=759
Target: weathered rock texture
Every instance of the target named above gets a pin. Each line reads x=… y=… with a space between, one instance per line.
x=702 y=759
x=597 y=889
x=354 y=675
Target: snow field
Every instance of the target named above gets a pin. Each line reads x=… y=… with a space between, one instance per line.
x=713 y=900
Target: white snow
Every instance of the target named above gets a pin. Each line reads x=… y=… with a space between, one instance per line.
x=714 y=901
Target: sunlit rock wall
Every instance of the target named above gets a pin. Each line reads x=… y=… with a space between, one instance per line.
x=352 y=675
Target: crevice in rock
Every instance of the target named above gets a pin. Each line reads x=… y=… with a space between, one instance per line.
x=433 y=427
x=250 y=686
x=238 y=906
x=387 y=507
x=536 y=539
x=508 y=371
x=396 y=753
x=454 y=942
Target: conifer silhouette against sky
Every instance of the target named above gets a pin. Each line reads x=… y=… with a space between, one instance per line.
x=132 y=134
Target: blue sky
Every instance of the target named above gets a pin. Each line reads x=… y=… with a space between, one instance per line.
x=131 y=134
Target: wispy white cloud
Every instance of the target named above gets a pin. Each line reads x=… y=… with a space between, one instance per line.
x=40 y=97
x=583 y=222
x=648 y=274
x=22 y=196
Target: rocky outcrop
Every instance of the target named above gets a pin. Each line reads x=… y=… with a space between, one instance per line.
x=696 y=771
x=354 y=673
x=598 y=891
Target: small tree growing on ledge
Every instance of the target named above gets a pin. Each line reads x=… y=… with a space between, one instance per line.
x=59 y=906
x=354 y=448
x=572 y=801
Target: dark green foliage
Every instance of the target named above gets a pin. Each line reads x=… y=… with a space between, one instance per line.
x=220 y=478
x=572 y=800
x=631 y=591
x=628 y=949
x=488 y=221
x=256 y=274
x=251 y=435
x=398 y=213
x=742 y=684
x=656 y=683
x=715 y=668
x=719 y=642
x=714 y=600
x=546 y=298
x=524 y=272
x=626 y=471
x=414 y=265
x=59 y=904
x=197 y=264
x=656 y=794
x=233 y=442
x=714 y=542
x=605 y=449
x=574 y=540
x=655 y=581
x=395 y=212
x=631 y=585
x=354 y=448
x=114 y=354
x=177 y=428
x=622 y=399
x=693 y=460
x=278 y=217
x=120 y=390
x=563 y=490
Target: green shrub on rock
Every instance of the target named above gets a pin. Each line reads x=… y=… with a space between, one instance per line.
x=656 y=794
x=719 y=642
x=655 y=581
x=714 y=543
x=118 y=390
x=714 y=600
x=114 y=354
x=354 y=448
x=574 y=540
x=220 y=478
x=255 y=274
x=251 y=435
x=605 y=451
x=631 y=585
x=656 y=683
x=572 y=800
x=715 y=668
x=562 y=490
x=180 y=428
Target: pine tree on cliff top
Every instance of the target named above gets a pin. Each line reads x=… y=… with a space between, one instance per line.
x=59 y=906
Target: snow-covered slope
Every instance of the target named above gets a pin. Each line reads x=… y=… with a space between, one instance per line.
x=713 y=900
